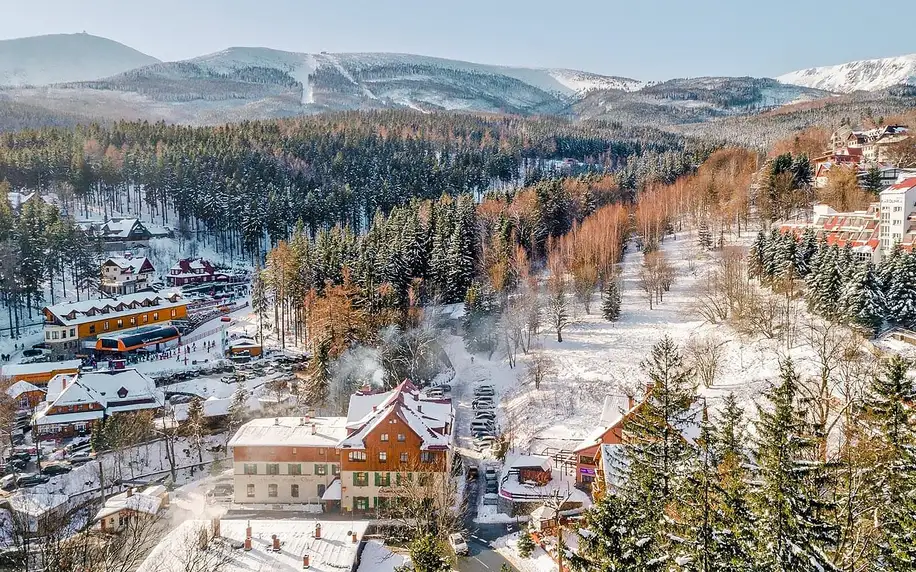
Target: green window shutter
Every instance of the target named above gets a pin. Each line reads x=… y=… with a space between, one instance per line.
x=355 y=479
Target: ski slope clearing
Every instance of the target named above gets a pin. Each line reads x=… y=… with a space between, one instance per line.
x=598 y=358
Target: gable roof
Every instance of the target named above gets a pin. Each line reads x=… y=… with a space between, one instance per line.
x=616 y=408
x=134 y=265
x=14 y=370
x=73 y=313
x=429 y=419
x=21 y=387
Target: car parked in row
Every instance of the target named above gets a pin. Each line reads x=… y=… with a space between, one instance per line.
x=31 y=480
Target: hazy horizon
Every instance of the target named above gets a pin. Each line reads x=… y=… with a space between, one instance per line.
x=649 y=40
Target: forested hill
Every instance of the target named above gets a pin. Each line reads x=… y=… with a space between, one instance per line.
x=249 y=184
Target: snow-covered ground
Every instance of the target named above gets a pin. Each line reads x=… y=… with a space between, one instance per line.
x=538 y=561
x=377 y=557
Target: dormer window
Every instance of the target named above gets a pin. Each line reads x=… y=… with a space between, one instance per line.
x=122 y=393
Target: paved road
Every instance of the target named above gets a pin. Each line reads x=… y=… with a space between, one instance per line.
x=481 y=557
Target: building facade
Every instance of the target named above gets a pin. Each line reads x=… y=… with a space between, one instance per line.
x=287 y=460
x=398 y=444
x=125 y=275
x=68 y=324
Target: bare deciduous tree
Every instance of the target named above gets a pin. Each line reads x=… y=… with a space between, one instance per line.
x=540 y=367
x=705 y=355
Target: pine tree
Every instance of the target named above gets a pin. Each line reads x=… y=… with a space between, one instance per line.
x=704 y=236
x=891 y=396
x=756 y=257
x=238 y=407
x=862 y=300
x=259 y=303
x=807 y=247
x=872 y=181
x=657 y=452
x=610 y=306
x=525 y=544
x=901 y=289
x=825 y=285
x=613 y=538
x=791 y=532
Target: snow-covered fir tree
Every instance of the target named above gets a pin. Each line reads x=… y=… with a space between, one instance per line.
x=610 y=306
x=900 y=276
x=792 y=531
x=704 y=235
x=862 y=300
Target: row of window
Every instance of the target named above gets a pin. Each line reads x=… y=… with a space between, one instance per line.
x=132 y=321
x=291 y=469
x=360 y=456
x=60 y=335
x=401 y=437
x=273 y=490
x=361 y=479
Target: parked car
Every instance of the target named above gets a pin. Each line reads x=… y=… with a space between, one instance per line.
x=458 y=544
x=77 y=444
x=19 y=456
x=479 y=424
x=8 y=482
x=483 y=404
x=81 y=458
x=485 y=390
x=435 y=392
x=53 y=469
x=31 y=479
x=484 y=414
x=490 y=474
x=221 y=492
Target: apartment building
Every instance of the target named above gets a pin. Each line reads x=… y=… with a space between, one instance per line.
x=288 y=460
x=394 y=439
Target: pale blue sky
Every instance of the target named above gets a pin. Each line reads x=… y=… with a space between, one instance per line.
x=643 y=39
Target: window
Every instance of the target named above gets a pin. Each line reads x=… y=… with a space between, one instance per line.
x=403 y=478
x=335 y=469
x=47 y=335
x=404 y=457
x=272 y=491
x=91 y=328
x=321 y=451
x=426 y=457
x=294 y=491
x=357 y=456
x=155 y=316
x=384 y=437
x=361 y=503
x=251 y=469
x=133 y=321
x=294 y=469
x=120 y=323
x=273 y=468
x=321 y=469
x=360 y=479
x=173 y=313
x=105 y=325
x=249 y=491
x=383 y=479
x=382 y=456
x=63 y=335
x=402 y=437
x=144 y=318
x=55 y=335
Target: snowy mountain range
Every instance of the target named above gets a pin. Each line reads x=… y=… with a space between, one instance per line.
x=87 y=76
x=863 y=75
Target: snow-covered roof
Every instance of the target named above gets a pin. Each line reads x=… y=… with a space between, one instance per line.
x=18 y=199
x=429 y=419
x=35 y=503
x=73 y=313
x=615 y=409
x=57 y=384
x=42 y=418
x=244 y=343
x=335 y=551
x=120 y=228
x=134 y=264
x=332 y=493
x=120 y=387
x=13 y=370
x=21 y=387
x=147 y=502
x=531 y=461
x=290 y=432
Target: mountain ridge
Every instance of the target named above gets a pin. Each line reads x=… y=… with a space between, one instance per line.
x=860 y=75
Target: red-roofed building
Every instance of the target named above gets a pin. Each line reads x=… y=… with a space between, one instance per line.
x=194 y=271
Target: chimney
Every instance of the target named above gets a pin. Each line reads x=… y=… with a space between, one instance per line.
x=276 y=420
x=305 y=560
x=276 y=545
x=314 y=428
x=649 y=388
x=374 y=408
x=419 y=408
x=308 y=417
x=630 y=402
x=130 y=492
x=353 y=536
x=317 y=530
x=301 y=421
x=248 y=544
x=214 y=525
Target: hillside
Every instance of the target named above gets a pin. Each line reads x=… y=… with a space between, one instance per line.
x=681 y=101
x=56 y=58
x=863 y=75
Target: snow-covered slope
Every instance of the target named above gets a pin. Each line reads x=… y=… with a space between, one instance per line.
x=41 y=60
x=864 y=75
